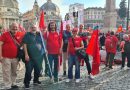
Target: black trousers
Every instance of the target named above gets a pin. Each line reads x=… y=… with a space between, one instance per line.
x=128 y=59
x=86 y=59
x=123 y=59
x=124 y=56
x=30 y=65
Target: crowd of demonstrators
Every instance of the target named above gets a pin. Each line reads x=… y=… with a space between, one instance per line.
x=8 y=54
x=73 y=39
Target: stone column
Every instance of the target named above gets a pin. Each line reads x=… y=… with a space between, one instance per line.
x=110 y=16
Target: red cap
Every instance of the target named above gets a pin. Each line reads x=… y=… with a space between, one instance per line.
x=75 y=30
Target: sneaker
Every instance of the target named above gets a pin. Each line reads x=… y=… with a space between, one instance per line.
x=27 y=87
x=14 y=86
x=77 y=80
x=90 y=77
x=68 y=80
x=37 y=82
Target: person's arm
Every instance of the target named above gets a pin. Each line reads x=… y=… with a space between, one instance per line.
x=61 y=46
x=26 y=52
x=82 y=46
x=1 y=43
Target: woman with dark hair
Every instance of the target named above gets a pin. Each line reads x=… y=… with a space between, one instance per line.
x=54 y=49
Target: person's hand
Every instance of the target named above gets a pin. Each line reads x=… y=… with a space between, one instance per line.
x=46 y=52
x=26 y=58
x=1 y=58
x=76 y=48
x=60 y=51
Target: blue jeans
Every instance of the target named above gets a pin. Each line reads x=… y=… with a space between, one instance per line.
x=73 y=59
x=30 y=65
x=51 y=58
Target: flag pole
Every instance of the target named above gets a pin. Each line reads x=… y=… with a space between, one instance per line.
x=46 y=55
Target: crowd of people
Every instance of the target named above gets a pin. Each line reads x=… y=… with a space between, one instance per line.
x=48 y=45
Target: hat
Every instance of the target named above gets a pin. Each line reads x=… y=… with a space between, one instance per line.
x=75 y=30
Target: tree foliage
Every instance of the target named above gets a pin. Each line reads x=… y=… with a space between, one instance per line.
x=122 y=12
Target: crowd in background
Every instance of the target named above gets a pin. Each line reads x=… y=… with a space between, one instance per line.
x=50 y=45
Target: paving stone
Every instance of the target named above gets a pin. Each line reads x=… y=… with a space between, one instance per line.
x=115 y=79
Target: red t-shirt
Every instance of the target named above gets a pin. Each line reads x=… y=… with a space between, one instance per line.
x=53 y=43
x=9 y=48
x=113 y=40
x=77 y=41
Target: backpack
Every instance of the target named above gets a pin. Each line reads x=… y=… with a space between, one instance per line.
x=127 y=47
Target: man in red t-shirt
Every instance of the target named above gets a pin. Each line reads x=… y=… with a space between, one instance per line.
x=8 y=53
x=54 y=49
x=111 y=46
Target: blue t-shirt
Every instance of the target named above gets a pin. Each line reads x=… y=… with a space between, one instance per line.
x=34 y=45
x=66 y=36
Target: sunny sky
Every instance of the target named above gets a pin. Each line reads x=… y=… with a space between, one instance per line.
x=25 y=5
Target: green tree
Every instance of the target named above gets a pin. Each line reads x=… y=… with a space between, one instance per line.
x=122 y=12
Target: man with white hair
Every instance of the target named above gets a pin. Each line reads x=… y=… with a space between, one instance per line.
x=34 y=54
x=125 y=49
x=8 y=55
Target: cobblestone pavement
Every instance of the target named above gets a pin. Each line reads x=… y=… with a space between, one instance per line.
x=114 y=79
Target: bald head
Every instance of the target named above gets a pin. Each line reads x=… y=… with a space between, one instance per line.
x=33 y=28
x=67 y=27
x=81 y=27
x=13 y=27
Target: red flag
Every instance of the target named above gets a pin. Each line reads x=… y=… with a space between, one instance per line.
x=21 y=28
x=119 y=29
x=93 y=50
x=60 y=42
x=61 y=31
x=42 y=23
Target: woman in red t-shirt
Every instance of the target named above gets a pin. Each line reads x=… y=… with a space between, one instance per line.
x=72 y=57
